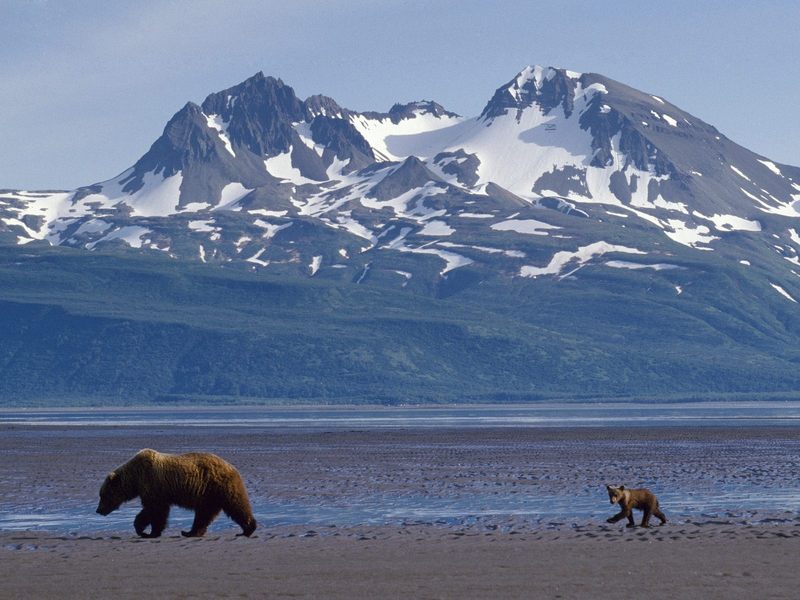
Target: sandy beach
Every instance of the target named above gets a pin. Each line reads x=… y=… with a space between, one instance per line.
x=480 y=513
x=709 y=561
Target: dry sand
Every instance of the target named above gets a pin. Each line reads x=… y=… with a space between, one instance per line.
x=415 y=562
x=716 y=554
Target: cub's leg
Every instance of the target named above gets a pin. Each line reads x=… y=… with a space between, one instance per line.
x=646 y=516
x=203 y=516
x=659 y=515
x=630 y=518
x=617 y=517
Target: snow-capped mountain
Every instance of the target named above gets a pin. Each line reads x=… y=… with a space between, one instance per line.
x=576 y=239
x=560 y=171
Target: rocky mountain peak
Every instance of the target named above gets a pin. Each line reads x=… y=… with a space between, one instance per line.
x=257 y=114
x=546 y=87
x=323 y=105
x=410 y=110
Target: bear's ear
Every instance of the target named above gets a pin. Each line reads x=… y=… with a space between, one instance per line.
x=622 y=487
x=112 y=476
x=608 y=487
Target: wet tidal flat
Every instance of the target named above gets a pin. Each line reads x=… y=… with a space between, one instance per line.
x=339 y=508
x=542 y=477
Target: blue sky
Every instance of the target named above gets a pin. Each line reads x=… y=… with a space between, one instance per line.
x=88 y=85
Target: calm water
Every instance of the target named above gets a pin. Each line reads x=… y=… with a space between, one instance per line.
x=722 y=478
x=736 y=506
x=540 y=415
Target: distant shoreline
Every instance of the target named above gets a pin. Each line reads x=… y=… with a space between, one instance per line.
x=540 y=415
x=536 y=400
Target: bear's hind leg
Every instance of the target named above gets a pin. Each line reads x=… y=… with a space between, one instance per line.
x=203 y=516
x=243 y=517
x=646 y=517
x=660 y=515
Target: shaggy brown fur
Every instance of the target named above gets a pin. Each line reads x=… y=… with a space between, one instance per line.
x=641 y=499
x=198 y=481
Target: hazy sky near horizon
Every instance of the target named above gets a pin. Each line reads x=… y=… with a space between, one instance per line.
x=88 y=85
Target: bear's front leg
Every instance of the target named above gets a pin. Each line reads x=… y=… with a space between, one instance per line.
x=142 y=522
x=158 y=520
x=631 y=522
x=616 y=517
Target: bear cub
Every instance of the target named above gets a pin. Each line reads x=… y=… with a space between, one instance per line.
x=196 y=481
x=640 y=499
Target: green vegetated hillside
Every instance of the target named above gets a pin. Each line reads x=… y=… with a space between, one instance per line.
x=127 y=328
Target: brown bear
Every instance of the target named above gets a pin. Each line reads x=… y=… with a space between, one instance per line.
x=641 y=499
x=197 y=481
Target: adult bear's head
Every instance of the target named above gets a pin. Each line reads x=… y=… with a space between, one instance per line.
x=113 y=493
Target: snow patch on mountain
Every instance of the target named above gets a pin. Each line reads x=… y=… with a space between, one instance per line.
x=516 y=150
x=771 y=166
x=158 y=196
x=316 y=262
x=451 y=259
x=405 y=275
x=689 y=236
x=783 y=292
x=92 y=226
x=271 y=228
x=131 y=235
x=487 y=249
x=231 y=194
x=201 y=226
x=436 y=228
x=472 y=215
x=403 y=206
x=739 y=173
x=193 y=207
x=421 y=136
x=305 y=134
x=17 y=223
x=353 y=226
x=268 y=213
x=577 y=258
x=281 y=166
x=730 y=222
x=50 y=207
x=624 y=264
x=526 y=226
x=215 y=122
x=256 y=258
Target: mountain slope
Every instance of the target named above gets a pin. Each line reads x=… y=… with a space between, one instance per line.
x=613 y=244
x=103 y=328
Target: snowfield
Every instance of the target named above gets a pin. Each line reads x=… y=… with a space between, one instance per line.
x=556 y=160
